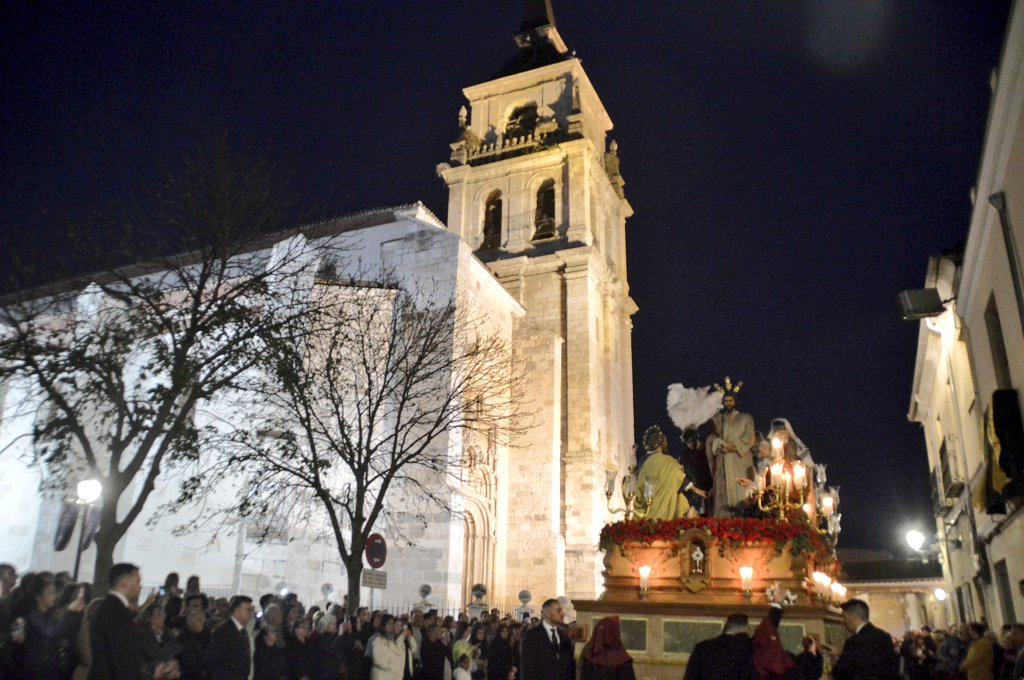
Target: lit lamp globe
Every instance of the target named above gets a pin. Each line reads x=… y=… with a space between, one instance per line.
x=940 y=594
x=89 y=490
x=915 y=539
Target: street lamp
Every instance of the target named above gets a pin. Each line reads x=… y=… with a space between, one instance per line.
x=915 y=539
x=88 y=491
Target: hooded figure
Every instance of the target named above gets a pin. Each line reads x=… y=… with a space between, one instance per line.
x=604 y=657
x=770 y=659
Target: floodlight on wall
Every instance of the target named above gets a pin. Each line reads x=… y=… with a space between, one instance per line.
x=920 y=303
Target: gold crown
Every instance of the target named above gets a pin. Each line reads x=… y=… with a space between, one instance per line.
x=729 y=387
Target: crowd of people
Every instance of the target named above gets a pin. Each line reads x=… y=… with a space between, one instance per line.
x=968 y=651
x=54 y=629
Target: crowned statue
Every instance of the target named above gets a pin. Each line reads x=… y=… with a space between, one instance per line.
x=665 y=476
x=729 y=448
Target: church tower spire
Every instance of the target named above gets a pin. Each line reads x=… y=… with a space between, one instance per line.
x=535 y=190
x=537 y=14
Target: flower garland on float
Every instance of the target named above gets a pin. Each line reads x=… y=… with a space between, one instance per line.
x=794 y=533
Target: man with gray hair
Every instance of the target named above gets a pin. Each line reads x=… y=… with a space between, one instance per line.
x=730 y=656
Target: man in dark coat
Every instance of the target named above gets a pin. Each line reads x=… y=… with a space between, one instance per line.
x=869 y=653
x=730 y=656
x=229 y=654
x=113 y=636
x=547 y=651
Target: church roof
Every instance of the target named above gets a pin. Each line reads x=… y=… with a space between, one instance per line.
x=365 y=219
x=535 y=55
x=538 y=41
x=538 y=13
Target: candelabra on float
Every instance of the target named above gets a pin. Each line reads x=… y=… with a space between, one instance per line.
x=637 y=501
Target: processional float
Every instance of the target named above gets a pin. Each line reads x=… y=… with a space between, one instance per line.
x=673 y=581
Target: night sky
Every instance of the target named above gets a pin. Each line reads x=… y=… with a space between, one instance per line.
x=792 y=165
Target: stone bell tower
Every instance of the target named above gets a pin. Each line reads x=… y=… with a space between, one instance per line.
x=534 y=188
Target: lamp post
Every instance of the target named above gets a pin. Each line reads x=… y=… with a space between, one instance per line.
x=88 y=492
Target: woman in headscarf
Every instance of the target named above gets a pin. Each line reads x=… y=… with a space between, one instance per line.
x=604 y=657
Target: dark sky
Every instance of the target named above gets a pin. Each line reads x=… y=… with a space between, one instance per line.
x=792 y=165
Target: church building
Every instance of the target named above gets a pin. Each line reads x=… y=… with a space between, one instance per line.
x=536 y=236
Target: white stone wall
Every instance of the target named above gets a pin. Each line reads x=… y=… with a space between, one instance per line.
x=956 y=373
x=575 y=337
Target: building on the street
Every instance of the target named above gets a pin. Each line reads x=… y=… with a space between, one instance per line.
x=969 y=370
x=904 y=594
x=536 y=237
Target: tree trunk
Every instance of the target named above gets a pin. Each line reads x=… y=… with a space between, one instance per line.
x=106 y=540
x=105 y=545
x=355 y=573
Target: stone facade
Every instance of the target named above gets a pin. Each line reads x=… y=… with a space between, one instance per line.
x=564 y=260
x=969 y=352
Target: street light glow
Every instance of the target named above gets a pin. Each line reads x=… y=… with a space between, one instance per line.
x=915 y=539
x=89 y=490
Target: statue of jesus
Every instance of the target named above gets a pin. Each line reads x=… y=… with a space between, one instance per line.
x=729 y=450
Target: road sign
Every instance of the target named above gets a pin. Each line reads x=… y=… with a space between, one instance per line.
x=373 y=578
x=376 y=551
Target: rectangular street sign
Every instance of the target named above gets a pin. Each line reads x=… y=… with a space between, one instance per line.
x=375 y=578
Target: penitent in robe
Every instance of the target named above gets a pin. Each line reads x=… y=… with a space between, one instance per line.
x=737 y=429
x=667 y=475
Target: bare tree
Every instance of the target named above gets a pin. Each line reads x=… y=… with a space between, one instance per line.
x=361 y=420
x=116 y=364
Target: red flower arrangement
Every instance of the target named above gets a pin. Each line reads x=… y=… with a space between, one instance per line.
x=796 y=533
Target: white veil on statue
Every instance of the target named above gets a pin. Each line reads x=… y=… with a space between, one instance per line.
x=802 y=453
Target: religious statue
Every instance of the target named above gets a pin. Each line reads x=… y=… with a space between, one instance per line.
x=698 y=474
x=665 y=475
x=729 y=451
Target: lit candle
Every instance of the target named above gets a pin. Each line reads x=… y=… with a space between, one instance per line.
x=789 y=482
x=777 y=480
x=827 y=506
x=799 y=475
x=838 y=591
x=776 y=448
x=807 y=509
x=822 y=581
x=746 y=575
x=645 y=576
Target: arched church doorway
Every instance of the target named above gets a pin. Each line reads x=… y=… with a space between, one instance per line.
x=478 y=555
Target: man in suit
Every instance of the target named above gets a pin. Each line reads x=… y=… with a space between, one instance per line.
x=229 y=654
x=112 y=633
x=869 y=653
x=547 y=651
x=730 y=656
